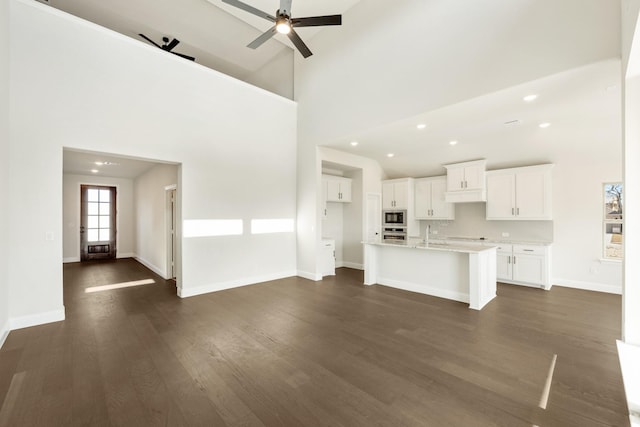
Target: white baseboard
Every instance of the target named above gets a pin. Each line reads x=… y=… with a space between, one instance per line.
x=150 y=266
x=4 y=332
x=36 y=319
x=70 y=259
x=588 y=286
x=423 y=289
x=353 y=265
x=125 y=255
x=310 y=276
x=214 y=287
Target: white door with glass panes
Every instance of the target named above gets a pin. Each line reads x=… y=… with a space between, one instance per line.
x=97 y=222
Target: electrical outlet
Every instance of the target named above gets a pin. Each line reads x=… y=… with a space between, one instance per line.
x=505 y=234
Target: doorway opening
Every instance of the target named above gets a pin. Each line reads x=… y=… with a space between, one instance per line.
x=97 y=222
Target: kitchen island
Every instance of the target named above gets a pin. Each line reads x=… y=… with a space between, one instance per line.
x=454 y=271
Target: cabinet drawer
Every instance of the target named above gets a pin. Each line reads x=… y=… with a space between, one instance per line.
x=506 y=248
x=528 y=249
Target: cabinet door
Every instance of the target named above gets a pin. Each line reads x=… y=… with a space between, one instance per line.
x=333 y=190
x=439 y=208
x=503 y=268
x=387 y=195
x=455 y=179
x=401 y=194
x=501 y=196
x=422 y=199
x=532 y=200
x=345 y=191
x=528 y=268
x=474 y=177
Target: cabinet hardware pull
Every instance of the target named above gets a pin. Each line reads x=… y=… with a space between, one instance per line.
x=513 y=211
x=461 y=184
x=465 y=184
x=509 y=260
x=514 y=259
x=518 y=211
x=528 y=250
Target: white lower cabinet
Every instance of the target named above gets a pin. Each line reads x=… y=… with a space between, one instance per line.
x=328 y=256
x=524 y=265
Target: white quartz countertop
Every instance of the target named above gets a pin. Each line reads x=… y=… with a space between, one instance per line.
x=436 y=246
x=504 y=240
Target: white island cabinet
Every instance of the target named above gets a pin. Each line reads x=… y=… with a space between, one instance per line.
x=458 y=272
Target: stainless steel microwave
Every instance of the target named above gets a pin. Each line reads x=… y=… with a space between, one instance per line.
x=394 y=218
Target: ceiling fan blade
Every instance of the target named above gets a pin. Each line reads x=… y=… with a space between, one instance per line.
x=150 y=41
x=250 y=9
x=285 y=7
x=299 y=44
x=190 y=58
x=317 y=21
x=262 y=38
x=171 y=45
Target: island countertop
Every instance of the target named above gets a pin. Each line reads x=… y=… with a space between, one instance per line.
x=435 y=246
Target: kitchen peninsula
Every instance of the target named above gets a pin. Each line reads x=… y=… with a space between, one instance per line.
x=453 y=271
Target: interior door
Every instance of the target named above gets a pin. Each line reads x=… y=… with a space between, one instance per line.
x=97 y=222
x=373 y=218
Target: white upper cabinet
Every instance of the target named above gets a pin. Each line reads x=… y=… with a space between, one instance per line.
x=429 y=199
x=337 y=189
x=466 y=182
x=395 y=193
x=519 y=193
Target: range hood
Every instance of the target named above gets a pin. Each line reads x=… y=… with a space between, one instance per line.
x=466 y=182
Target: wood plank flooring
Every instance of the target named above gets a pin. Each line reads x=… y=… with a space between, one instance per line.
x=298 y=353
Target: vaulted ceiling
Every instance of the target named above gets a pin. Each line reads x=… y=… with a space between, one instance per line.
x=213 y=32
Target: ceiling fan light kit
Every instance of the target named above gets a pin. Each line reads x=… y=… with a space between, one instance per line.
x=284 y=24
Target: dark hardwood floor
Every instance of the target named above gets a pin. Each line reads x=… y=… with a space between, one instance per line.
x=298 y=353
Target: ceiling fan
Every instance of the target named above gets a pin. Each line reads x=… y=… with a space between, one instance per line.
x=168 y=46
x=285 y=24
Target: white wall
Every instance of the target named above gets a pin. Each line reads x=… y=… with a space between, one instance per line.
x=106 y=92
x=125 y=225
x=388 y=64
x=4 y=168
x=276 y=76
x=150 y=216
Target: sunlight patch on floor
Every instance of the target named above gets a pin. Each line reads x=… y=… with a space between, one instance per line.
x=119 y=285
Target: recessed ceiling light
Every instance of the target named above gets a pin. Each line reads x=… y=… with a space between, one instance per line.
x=530 y=98
x=98 y=163
x=421 y=126
x=354 y=143
x=94 y=170
x=390 y=155
x=453 y=142
x=544 y=125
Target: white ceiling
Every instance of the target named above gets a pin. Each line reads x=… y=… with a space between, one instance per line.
x=83 y=162
x=582 y=105
x=215 y=33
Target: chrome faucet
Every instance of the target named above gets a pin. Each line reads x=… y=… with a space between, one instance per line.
x=426 y=233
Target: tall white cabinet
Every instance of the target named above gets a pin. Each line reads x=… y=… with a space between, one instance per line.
x=430 y=200
x=519 y=193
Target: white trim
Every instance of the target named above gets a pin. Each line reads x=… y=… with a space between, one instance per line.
x=613 y=261
x=423 y=289
x=589 y=286
x=628 y=355
x=71 y=259
x=36 y=319
x=348 y=264
x=310 y=276
x=4 y=332
x=125 y=255
x=215 y=287
x=170 y=187
x=150 y=266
